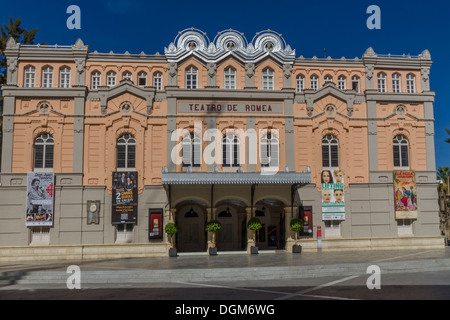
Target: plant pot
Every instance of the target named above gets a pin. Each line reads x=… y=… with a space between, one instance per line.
x=172 y=252
x=296 y=249
x=213 y=251
x=254 y=250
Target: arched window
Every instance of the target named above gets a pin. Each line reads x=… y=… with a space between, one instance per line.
x=230 y=78
x=381 y=82
x=95 y=80
x=192 y=147
x=401 y=152
x=127 y=76
x=230 y=150
x=330 y=152
x=157 y=80
x=314 y=82
x=126 y=152
x=43 y=151
x=396 y=83
x=142 y=79
x=269 y=151
x=267 y=79
x=30 y=75
x=411 y=83
x=355 y=83
x=191 y=78
x=328 y=79
x=111 y=79
x=47 y=77
x=64 y=77
x=342 y=83
x=300 y=82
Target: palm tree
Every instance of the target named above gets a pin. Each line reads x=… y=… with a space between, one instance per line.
x=443 y=175
x=448 y=139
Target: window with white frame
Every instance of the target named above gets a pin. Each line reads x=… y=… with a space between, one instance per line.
x=300 y=83
x=355 y=83
x=111 y=78
x=396 y=83
x=330 y=151
x=342 y=83
x=64 y=77
x=314 y=82
x=269 y=150
x=126 y=152
x=267 y=79
x=404 y=227
x=30 y=75
x=230 y=150
x=191 y=78
x=127 y=76
x=47 y=77
x=44 y=146
x=411 y=83
x=157 y=80
x=191 y=148
x=328 y=79
x=142 y=79
x=230 y=78
x=95 y=80
x=401 y=152
x=381 y=82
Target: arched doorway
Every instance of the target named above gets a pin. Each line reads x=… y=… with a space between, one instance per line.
x=232 y=215
x=191 y=235
x=272 y=234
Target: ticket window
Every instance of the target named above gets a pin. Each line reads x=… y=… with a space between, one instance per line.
x=155 y=224
x=125 y=233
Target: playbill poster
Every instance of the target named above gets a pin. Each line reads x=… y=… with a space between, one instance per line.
x=405 y=193
x=332 y=187
x=40 y=196
x=124 y=198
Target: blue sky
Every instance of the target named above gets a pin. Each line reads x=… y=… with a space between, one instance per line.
x=309 y=27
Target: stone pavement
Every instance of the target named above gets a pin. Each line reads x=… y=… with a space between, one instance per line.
x=227 y=266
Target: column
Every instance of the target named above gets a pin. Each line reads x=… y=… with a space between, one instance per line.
x=250 y=242
x=8 y=128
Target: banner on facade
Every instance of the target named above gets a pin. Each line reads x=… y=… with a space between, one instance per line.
x=405 y=193
x=124 y=198
x=332 y=188
x=40 y=196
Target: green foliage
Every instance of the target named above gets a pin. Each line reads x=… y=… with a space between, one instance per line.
x=254 y=224
x=213 y=226
x=296 y=225
x=171 y=228
x=19 y=34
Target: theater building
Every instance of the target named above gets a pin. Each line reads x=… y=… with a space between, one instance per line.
x=104 y=149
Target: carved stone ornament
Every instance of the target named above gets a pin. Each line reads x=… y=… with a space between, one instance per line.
x=249 y=69
x=211 y=69
x=172 y=69
x=287 y=71
x=369 y=71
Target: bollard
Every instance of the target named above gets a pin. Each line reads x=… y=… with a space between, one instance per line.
x=319 y=239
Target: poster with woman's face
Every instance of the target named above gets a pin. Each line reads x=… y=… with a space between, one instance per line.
x=40 y=195
x=332 y=189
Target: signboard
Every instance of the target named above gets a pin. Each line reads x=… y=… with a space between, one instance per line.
x=124 y=198
x=40 y=196
x=405 y=195
x=306 y=215
x=155 y=223
x=332 y=188
x=230 y=107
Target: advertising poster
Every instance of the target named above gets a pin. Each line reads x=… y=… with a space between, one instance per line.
x=124 y=198
x=40 y=195
x=332 y=188
x=405 y=194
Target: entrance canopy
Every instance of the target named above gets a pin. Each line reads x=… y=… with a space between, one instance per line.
x=236 y=178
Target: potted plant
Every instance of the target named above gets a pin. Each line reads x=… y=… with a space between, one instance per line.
x=254 y=224
x=213 y=226
x=171 y=229
x=296 y=226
